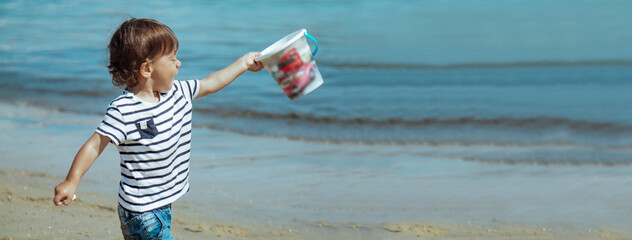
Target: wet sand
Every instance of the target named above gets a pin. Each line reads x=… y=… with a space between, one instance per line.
x=241 y=189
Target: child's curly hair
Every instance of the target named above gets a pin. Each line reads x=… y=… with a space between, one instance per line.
x=135 y=42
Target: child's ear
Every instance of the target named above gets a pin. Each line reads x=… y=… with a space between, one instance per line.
x=145 y=70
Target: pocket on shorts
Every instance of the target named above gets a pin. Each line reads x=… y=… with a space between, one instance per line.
x=130 y=223
x=152 y=225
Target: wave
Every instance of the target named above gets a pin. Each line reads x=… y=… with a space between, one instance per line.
x=61 y=91
x=490 y=65
x=530 y=123
x=463 y=143
x=558 y=156
x=488 y=152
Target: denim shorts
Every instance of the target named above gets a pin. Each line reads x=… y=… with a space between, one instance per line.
x=154 y=224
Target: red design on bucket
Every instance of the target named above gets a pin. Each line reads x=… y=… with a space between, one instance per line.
x=294 y=74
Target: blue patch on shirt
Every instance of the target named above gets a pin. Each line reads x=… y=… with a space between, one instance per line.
x=147 y=129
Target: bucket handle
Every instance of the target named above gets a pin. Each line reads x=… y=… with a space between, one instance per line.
x=315 y=50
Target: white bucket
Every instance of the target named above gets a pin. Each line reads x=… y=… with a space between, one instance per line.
x=290 y=62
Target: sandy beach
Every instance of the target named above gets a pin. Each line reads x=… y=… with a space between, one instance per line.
x=27 y=213
x=243 y=187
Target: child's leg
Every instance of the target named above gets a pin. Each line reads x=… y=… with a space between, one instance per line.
x=154 y=224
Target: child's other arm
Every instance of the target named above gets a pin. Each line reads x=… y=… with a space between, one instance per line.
x=220 y=79
x=83 y=160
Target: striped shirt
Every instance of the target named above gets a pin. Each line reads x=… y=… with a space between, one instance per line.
x=154 y=142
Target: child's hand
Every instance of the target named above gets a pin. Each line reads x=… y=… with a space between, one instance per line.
x=251 y=64
x=64 y=193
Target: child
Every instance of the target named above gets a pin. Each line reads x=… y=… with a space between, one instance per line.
x=150 y=123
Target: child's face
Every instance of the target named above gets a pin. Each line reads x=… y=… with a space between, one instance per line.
x=164 y=69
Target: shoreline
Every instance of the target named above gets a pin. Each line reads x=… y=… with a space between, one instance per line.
x=241 y=189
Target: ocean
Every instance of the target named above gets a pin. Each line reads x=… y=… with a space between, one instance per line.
x=508 y=82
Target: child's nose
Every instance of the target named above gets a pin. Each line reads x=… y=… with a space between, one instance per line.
x=178 y=64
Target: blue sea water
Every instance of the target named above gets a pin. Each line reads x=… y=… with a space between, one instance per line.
x=545 y=82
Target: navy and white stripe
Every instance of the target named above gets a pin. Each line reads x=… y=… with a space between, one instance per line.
x=154 y=142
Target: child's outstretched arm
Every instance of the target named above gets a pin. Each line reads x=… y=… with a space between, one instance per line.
x=83 y=160
x=220 y=79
